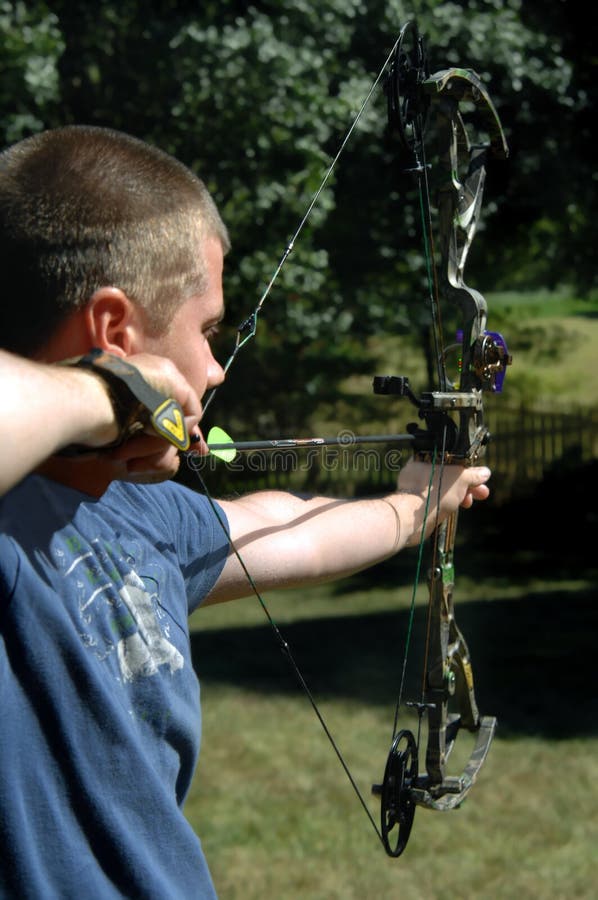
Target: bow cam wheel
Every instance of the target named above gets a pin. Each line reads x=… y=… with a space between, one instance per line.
x=397 y=803
x=407 y=104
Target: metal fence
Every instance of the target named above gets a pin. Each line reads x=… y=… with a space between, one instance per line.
x=528 y=442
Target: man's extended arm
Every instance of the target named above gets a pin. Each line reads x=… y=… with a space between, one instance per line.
x=286 y=541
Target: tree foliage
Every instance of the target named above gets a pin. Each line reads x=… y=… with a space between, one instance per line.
x=31 y=44
x=256 y=98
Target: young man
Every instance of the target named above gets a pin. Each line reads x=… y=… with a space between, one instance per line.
x=107 y=243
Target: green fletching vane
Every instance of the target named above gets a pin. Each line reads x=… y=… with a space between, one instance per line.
x=219 y=436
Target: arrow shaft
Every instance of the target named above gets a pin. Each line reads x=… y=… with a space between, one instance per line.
x=403 y=440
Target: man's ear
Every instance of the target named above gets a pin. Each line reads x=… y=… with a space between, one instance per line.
x=113 y=322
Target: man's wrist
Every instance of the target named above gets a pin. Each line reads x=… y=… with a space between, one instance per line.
x=135 y=403
x=85 y=405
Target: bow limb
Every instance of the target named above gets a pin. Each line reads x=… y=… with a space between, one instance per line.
x=448 y=682
x=460 y=193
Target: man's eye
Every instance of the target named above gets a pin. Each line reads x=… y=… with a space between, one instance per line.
x=212 y=332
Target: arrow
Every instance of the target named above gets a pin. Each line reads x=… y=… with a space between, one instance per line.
x=223 y=447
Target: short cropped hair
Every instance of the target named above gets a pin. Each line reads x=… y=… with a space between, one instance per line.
x=84 y=207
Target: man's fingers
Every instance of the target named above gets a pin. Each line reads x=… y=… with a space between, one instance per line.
x=480 y=474
x=478 y=489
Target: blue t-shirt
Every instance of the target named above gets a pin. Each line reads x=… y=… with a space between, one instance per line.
x=99 y=705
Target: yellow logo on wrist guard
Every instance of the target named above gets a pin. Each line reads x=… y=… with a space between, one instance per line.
x=169 y=422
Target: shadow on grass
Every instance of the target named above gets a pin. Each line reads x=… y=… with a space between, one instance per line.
x=533 y=654
x=533 y=660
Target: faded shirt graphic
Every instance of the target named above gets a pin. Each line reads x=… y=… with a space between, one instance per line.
x=109 y=588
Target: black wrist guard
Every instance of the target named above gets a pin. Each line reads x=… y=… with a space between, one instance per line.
x=134 y=401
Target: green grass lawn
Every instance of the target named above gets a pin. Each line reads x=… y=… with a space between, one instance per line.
x=271 y=803
x=275 y=811
x=554 y=341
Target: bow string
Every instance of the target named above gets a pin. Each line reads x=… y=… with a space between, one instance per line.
x=451 y=428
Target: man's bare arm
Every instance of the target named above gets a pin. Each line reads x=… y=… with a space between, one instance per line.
x=286 y=541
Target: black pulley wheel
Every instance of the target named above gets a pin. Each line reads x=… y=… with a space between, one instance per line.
x=397 y=803
x=407 y=104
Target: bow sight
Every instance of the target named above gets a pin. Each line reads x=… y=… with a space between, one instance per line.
x=461 y=442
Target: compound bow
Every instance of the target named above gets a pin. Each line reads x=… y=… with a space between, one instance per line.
x=454 y=431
